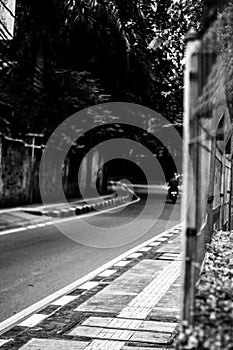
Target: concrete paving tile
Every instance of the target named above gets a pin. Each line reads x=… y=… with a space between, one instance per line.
x=105 y=345
x=33 y=320
x=54 y=344
x=134 y=255
x=145 y=249
x=155 y=326
x=107 y=273
x=136 y=279
x=97 y=321
x=155 y=244
x=66 y=299
x=85 y=331
x=122 y=263
x=4 y=341
x=174 y=255
x=130 y=324
x=103 y=302
x=148 y=267
x=152 y=337
x=89 y=285
x=164 y=313
x=129 y=283
x=169 y=249
x=144 y=348
x=101 y=333
x=167 y=303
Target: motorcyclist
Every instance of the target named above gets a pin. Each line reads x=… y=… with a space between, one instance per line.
x=173 y=184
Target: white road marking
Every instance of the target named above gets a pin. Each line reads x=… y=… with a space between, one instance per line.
x=30 y=227
x=12 y=230
x=42 y=224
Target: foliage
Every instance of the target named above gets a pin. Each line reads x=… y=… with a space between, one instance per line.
x=214 y=307
x=91 y=51
x=224 y=32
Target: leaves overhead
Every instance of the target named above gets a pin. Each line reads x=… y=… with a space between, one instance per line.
x=92 y=51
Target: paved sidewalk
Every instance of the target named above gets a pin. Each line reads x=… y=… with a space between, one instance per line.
x=31 y=216
x=133 y=305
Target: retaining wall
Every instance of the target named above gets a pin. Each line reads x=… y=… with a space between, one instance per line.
x=19 y=174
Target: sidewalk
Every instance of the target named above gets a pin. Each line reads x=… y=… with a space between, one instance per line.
x=133 y=304
x=32 y=216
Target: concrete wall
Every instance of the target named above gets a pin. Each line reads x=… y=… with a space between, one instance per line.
x=19 y=174
x=15 y=172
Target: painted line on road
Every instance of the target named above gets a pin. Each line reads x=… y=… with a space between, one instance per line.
x=72 y=218
x=12 y=230
x=22 y=315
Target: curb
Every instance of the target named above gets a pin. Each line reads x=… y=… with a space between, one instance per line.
x=75 y=210
x=72 y=210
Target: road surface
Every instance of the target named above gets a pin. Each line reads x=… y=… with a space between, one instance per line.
x=38 y=262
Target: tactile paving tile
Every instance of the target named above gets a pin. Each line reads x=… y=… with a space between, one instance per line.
x=144 y=302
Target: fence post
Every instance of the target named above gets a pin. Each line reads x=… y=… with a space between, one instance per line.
x=211 y=190
x=222 y=197
x=190 y=151
x=231 y=187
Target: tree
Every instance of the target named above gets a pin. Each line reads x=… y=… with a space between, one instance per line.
x=67 y=55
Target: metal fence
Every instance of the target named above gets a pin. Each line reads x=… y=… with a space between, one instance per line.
x=208 y=143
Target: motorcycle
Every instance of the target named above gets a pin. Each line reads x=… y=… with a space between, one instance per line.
x=173 y=194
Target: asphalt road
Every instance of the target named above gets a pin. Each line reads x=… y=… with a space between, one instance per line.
x=38 y=262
